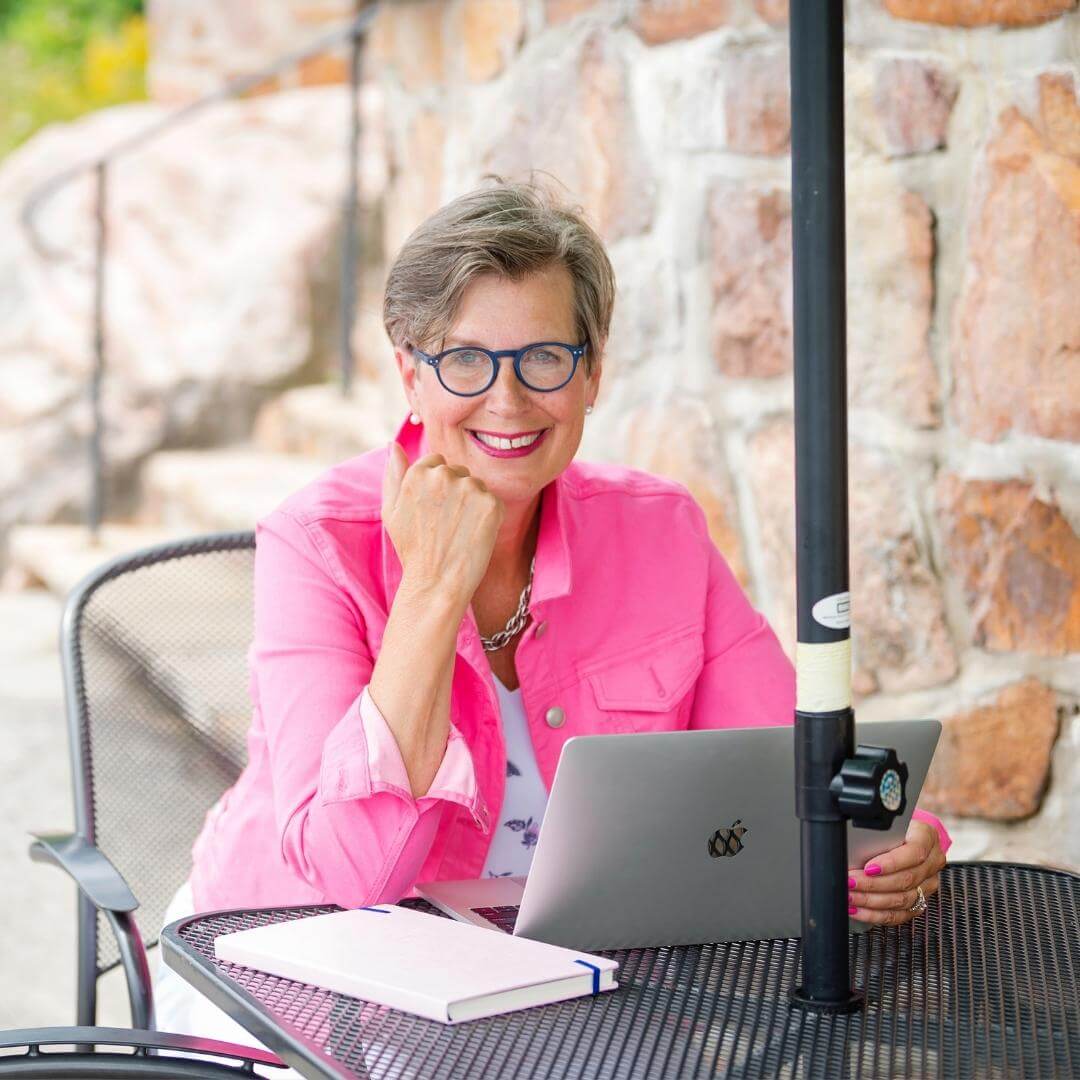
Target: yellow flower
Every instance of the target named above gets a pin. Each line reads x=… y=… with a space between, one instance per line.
x=114 y=64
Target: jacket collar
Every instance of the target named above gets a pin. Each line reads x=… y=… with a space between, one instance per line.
x=552 y=576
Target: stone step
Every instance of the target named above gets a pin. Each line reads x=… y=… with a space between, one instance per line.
x=224 y=489
x=317 y=421
x=58 y=556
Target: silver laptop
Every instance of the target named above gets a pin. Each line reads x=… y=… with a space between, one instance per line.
x=674 y=838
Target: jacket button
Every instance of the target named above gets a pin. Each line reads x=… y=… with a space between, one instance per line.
x=541 y=630
x=555 y=717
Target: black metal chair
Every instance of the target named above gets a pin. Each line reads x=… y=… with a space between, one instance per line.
x=130 y=1054
x=153 y=648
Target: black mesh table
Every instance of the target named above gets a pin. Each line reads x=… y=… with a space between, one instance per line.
x=984 y=985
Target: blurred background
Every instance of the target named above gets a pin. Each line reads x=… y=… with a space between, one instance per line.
x=198 y=271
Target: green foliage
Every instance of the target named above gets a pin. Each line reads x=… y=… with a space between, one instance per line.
x=62 y=58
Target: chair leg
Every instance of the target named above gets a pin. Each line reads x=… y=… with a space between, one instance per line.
x=86 y=1012
x=86 y=966
x=136 y=968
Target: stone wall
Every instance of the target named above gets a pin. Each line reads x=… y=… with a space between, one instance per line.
x=668 y=120
x=197 y=44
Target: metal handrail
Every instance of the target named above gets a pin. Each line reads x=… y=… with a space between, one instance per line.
x=98 y=165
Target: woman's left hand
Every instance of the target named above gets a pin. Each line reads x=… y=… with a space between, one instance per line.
x=886 y=889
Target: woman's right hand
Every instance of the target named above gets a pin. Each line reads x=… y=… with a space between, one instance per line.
x=442 y=521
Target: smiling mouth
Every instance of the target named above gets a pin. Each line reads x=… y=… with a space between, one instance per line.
x=507 y=442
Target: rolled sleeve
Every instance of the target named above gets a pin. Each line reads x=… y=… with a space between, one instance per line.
x=362 y=758
x=930 y=819
x=347 y=822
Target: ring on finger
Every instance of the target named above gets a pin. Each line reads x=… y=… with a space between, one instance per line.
x=920 y=902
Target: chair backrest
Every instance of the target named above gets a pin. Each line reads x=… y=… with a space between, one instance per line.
x=154 y=648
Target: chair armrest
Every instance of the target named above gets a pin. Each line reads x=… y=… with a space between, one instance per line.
x=34 y=1038
x=103 y=885
x=96 y=877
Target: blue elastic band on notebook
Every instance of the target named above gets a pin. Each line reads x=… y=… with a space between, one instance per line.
x=595 y=974
x=381 y=911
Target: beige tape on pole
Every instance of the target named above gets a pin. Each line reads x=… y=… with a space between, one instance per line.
x=823 y=676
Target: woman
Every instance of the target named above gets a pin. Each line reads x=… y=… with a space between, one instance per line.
x=433 y=621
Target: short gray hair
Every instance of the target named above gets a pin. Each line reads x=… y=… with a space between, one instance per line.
x=510 y=229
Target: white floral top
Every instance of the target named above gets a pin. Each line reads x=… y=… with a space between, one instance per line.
x=525 y=801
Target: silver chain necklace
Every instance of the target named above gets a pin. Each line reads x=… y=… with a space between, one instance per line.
x=516 y=622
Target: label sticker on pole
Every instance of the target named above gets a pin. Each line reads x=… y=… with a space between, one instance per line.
x=833 y=612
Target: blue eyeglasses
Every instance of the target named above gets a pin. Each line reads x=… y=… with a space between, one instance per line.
x=469 y=370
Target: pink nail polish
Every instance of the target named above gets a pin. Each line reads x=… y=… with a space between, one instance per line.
x=852 y=910
x=850 y=899
x=851 y=883
x=873 y=869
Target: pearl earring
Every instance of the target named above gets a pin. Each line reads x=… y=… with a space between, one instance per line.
x=414 y=418
x=588 y=409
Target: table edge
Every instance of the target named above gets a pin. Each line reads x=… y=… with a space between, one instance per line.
x=238 y=1004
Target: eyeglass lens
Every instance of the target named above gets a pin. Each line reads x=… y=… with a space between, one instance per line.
x=543 y=367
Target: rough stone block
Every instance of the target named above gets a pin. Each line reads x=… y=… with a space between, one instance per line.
x=649 y=317
x=1019 y=561
x=409 y=37
x=320 y=12
x=560 y=11
x=757 y=102
x=1017 y=330
x=774 y=12
x=661 y=21
x=490 y=31
x=900 y=638
x=414 y=192
x=913 y=99
x=979 y=12
x=199 y=44
x=993 y=760
x=324 y=70
x=890 y=299
x=681 y=440
x=1059 y=113
x=586 y=136
x=751 y=280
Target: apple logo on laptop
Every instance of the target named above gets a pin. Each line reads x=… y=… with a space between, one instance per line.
x=727 y=843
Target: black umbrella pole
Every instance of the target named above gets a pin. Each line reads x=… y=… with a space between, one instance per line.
x=824 y=723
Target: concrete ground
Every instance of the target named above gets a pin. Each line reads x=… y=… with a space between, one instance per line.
x=37 y=902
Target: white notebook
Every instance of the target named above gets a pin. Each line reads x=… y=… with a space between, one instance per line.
x=423 y=964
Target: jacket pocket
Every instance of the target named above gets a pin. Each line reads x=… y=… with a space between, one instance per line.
x=646 y=690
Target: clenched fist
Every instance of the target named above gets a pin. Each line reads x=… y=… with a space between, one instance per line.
x=442 y=521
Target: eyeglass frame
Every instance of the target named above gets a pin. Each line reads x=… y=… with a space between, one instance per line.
x=495 y=356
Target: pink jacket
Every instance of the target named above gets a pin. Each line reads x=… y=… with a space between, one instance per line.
x=638 y=625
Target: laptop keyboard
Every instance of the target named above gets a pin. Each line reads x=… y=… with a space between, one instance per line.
x=503 y=917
